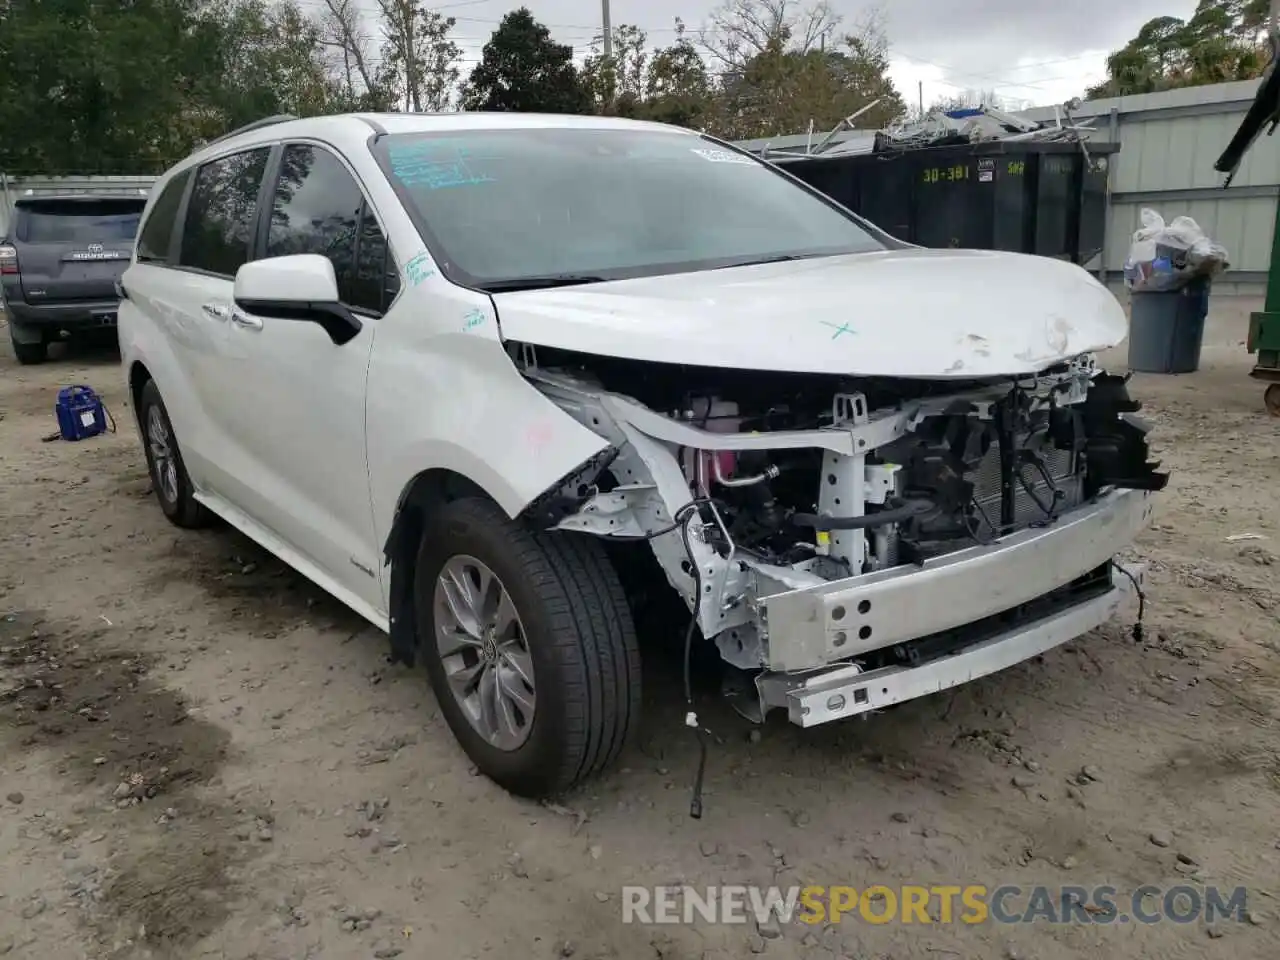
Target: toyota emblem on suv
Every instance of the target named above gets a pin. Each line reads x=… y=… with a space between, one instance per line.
x=95 y=248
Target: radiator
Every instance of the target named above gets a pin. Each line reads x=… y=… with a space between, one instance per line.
x=1060 y=465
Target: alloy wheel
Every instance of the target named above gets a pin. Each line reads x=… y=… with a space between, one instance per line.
x=163 y=456
x=484 y=651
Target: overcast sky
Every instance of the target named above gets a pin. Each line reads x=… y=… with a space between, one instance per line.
x=1025 y=50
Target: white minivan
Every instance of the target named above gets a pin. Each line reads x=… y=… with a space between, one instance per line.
x=504 y=382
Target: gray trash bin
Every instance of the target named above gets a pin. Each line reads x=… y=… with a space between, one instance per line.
x=1166 y=329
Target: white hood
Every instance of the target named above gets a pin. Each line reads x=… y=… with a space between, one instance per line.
x=903 y=313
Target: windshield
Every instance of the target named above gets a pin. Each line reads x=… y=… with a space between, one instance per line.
x=79 y=221
x=589 y=203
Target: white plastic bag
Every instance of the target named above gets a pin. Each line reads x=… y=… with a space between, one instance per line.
x=1181 y=234
x=1143 y=247
x=1167 y=256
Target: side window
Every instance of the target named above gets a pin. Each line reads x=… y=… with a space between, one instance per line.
x=316 y=209
x=157 y=232
x=377 y=279
x=222 y=213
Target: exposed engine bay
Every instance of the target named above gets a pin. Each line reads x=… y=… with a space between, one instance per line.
x=790 y=511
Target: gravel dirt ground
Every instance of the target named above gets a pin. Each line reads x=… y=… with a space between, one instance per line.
x=203 y=755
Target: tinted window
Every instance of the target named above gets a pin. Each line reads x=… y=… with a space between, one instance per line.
x=157 y=232
x=316 y=209
x=376 y=280
x=79 y=221
x=222 y=212
x=509 y=204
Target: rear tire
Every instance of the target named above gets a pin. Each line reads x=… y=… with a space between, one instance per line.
x=28 y=353
x=569 y=622
x=1271 y=399
x=169 y=476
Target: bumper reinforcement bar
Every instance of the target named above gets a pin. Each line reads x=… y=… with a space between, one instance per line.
x=845 y=690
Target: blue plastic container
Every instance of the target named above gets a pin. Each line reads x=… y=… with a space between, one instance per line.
x=80 y=413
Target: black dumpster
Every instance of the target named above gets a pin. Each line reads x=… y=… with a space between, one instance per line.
x=1022 y=196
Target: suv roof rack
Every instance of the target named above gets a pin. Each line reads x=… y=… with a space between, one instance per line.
x=257 y=124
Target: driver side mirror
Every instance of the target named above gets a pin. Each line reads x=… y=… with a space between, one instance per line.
x=300 y=286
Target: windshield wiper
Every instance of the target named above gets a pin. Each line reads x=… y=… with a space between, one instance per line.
x=538 y=283
x=780 y=258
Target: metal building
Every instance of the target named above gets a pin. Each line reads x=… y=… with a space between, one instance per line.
x=1169 y=142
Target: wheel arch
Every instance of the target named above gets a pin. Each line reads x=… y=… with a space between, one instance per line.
x=431 y=488
x=423 y=492
x=139 y=375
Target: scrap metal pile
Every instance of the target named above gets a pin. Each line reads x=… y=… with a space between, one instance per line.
x=980 y=124
x=939 y=128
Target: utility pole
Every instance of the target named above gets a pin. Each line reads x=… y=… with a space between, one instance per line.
x=607 y=29
x=920 y=96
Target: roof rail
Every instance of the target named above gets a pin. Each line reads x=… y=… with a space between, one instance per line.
x=264 y=122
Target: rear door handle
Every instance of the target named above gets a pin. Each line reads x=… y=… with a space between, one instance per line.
x=217 y=311
x=246 y=321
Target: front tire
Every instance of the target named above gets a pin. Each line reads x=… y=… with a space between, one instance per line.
x=529 y=646
x=169 y=476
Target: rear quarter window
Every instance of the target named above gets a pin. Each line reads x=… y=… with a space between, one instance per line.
x=157 y=232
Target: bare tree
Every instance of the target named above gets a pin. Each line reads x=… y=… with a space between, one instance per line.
x=739 y=30
x=868 y=35
x=417 y=46
x=968 y=99
x=399 y=48
x=343 y=33
x=438 y=58
x=617 y=82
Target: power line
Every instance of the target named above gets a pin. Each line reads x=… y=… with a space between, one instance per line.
x=594 y=36
x=1037 y=83
x=593 y=32
x=567 y=26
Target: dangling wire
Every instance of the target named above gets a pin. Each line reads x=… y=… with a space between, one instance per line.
x=683 y=518
x=1142 y=600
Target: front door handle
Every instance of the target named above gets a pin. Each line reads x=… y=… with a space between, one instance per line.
x=244 y=320
x=217 y=311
